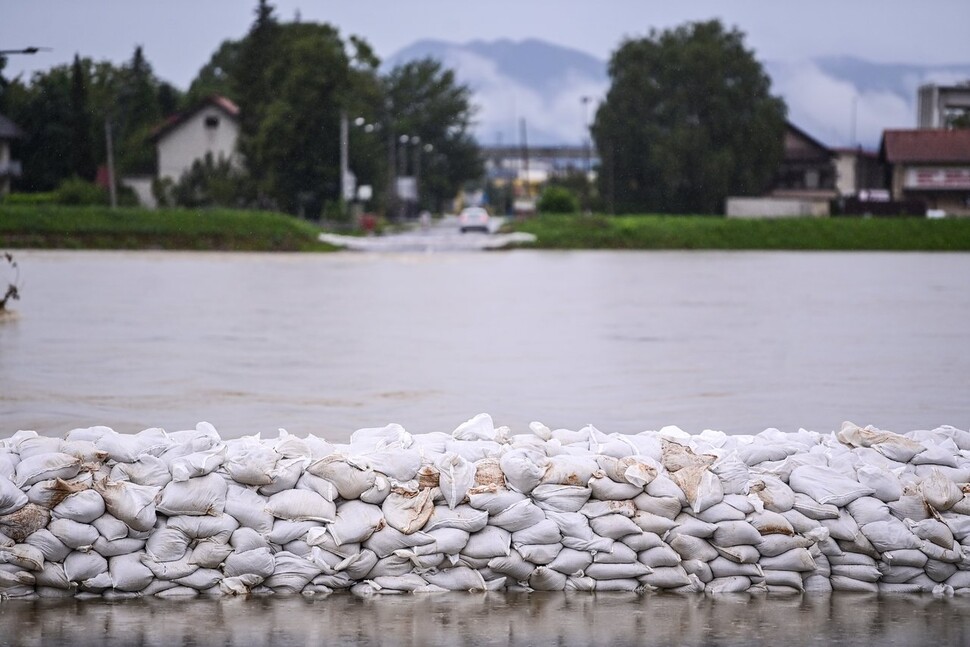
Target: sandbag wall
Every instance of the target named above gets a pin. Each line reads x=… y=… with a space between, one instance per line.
x=99 y=513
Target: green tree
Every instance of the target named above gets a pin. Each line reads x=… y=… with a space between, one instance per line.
x=425 y=101
x=558 y=199
x=688 y=120
x=82 y=143
x=138 y=114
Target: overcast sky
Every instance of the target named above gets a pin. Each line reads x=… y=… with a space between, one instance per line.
x=179 y=35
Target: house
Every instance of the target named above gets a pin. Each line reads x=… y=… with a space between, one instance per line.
x=807 y=170
x=929 y=165
x=210 y=128
x=9 y=168
x=804 y=184
x=858 y=172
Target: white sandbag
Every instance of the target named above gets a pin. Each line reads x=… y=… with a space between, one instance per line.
x=720 y=512
x=489 y=542
x=112 y=548
x=386 y=540
x=45 y=467
x=196 y=496
x=523 y=469
x=284 y=531
x=201 y=579
x=736 y=533
x=796 y=560
x=213 y=528
x=210 y=554
x=893 y=446
x=129 y=502
x=546 y=579
x=722 y=585
x=79 y=536
x=693 y=548
x=667 y=577
x=577 y=533
x=127 y=448
x=663 y=506
x=844 y=528
x=812 y=509
x=613 y=526
x=25 y=556
x=497 y=500
x=562 y=498
x=594 y=509
x=539 y=554
x=701 y=487
x=350 y=478
x=128 y=573
x=774 y=493
x=909 y=506
x=12 y=497
x=321 y=486
x=301 y=505
x=619 y=554
x=890 y=535
x=83 y=507
x=455 y=477
x=868 y=509
x=826 y=485
x=740 y=554
x=462 y=517
x=407 y=511
x=518 y=516
x=640 y=541
x=167 y=545
x=631 y=570
x=248 y=508
x=147 y=470
x=250 y=462
x=456 y=579
x=79 y=567
x=688 y=525
x=776 y=544
x=659 y=557
x=291 y=573
x=197 y=463
x=544 y=532
x=939 y=491
x=52 y=548
x=513 y=566
x=653 y=523
x=767 y=522
x=258 y=562
x=355 y=521
x=110 y=527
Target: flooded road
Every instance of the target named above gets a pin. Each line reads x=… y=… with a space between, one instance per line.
x=627 y=341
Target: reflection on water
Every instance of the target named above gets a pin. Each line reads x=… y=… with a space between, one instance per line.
x=325 y=344
x=493 y=619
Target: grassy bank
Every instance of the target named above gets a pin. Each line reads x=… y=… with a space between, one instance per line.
x=50 y=226
x=706 y=232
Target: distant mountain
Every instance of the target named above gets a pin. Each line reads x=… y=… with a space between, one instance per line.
x=839 y=100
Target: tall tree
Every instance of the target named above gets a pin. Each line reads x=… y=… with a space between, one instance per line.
x=688 y=120
x=82 y=148
x=427 y=102
x=138 y=113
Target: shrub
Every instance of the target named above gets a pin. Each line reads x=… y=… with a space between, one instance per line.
x=75 y=191
x=557 y=199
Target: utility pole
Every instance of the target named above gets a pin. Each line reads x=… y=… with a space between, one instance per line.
x=346 y=191
x=109 y=144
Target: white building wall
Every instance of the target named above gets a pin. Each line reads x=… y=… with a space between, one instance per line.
x=845 y=179
x=192 y=139
x=775 y=208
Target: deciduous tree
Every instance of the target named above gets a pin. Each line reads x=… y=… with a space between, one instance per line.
x=689 y=120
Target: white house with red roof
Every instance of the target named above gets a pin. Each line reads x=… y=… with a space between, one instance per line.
x=210 y=128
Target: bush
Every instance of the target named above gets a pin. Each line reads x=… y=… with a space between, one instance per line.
x=557 y=199
x=76 y=192
x=208 y=183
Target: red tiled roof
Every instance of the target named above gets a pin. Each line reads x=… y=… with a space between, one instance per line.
x=224 y=104
x=926 y=145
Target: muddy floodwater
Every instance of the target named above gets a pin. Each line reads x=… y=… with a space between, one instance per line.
x=627 y=341
x=494 y=619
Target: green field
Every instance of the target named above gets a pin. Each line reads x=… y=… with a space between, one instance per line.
x=711 y=232
x=96 y=227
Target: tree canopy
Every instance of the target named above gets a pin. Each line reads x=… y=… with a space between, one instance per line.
x=688 y=120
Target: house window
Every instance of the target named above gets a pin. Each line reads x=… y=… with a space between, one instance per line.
x=211 y=122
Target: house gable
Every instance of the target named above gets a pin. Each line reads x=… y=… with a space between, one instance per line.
x=211 y=128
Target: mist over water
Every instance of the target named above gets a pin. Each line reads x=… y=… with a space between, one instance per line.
x=327 y=344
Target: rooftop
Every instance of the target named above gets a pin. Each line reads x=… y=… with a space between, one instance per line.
x=926 y=145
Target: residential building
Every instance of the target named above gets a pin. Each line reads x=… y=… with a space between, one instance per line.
x=210 y=128
x=858 y=172
x=9 y=168
x=929 y=165
x=937 y=104
x=807 y=170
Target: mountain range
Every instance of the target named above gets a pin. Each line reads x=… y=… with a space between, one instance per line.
x=841 y=101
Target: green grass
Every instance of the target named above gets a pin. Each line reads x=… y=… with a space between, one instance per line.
x=712 y=232
x=96 y=227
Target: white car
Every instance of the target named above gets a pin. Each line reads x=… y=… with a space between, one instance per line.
x=473 y=218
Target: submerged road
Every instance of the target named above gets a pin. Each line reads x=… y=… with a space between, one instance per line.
x=442 y=236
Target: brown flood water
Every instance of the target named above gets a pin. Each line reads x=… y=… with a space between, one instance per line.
x=494 y=619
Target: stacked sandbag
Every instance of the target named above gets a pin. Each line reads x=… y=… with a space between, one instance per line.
x=182 y=514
